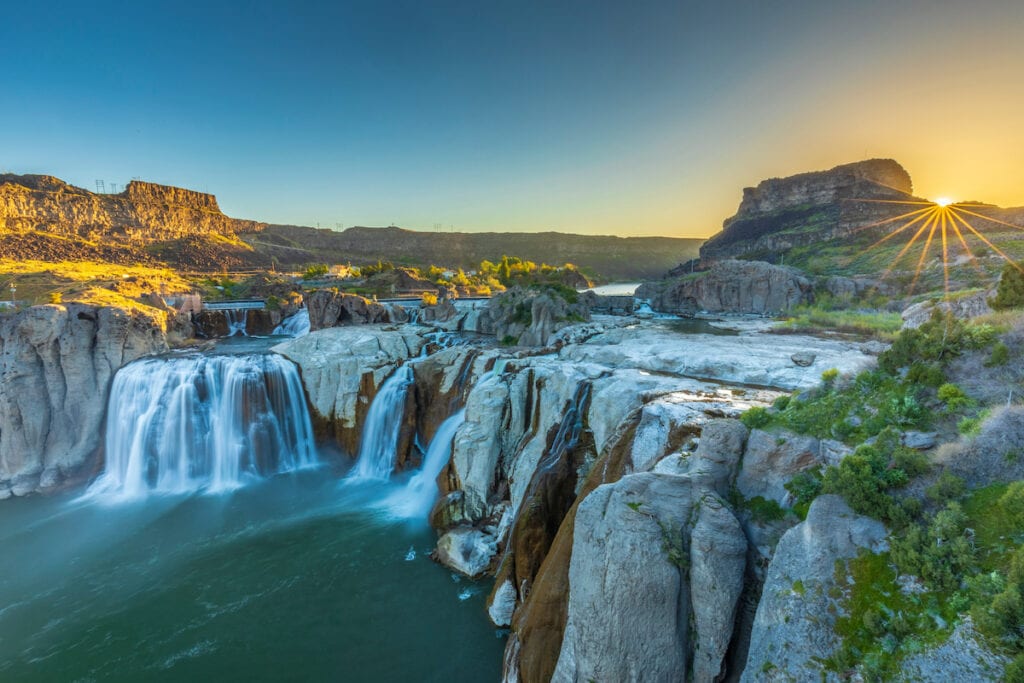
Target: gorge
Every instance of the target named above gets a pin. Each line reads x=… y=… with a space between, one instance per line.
x=214 y=453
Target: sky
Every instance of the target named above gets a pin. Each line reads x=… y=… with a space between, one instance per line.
x=627 y=118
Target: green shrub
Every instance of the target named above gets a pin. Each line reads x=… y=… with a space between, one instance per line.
x=756 y=418
x=273 y=303
x=830 y=375
x=946 y=488
x=781 y=402
x=1010 y=292
x=1012 y=503
x=928 y=374
x=940 y=553
x=954 y=397
x=1000 y=355
x=865 y=478
x=509 y=340
x=764 y=510
x=969 y=426
x=941 y=338
x=804 y=487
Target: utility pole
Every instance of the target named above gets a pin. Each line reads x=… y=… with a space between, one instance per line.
x=100 y=188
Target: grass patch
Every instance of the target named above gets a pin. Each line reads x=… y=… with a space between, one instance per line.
x=871 y=324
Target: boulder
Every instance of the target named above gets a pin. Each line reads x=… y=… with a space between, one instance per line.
x=804 y=359
x=920 y=441
x=630 y=599
x=329 y=308
x=466 y=550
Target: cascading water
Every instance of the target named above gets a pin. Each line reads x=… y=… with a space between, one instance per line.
x=203 y=422
x=378 y=443
x=418 y=496
x=236 y=322
x=296 y=325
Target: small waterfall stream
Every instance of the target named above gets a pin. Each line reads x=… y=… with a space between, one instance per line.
x=296 y=325
x=419 y=494
x=237 y=320
x=378 y=442
x=198 y=422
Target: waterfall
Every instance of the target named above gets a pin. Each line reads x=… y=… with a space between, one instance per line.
x=296 y=325
x=236 y=321
x=378 y=443
x=419 y=494
x=203 y=422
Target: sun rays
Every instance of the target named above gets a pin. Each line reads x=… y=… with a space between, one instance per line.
x=944 y=223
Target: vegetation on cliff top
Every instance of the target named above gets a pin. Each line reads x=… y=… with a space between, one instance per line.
x=953 y=553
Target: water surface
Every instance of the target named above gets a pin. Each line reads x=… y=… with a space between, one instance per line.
x=293 y=578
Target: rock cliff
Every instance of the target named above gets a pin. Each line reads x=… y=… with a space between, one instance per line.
x=781 y=213
x=729 y=286
x=42 y=213
x=57 y=363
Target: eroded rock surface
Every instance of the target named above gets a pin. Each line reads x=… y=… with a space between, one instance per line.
x=793 y=629
x=57 y=364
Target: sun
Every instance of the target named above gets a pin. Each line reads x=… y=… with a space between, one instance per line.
x=943 y=201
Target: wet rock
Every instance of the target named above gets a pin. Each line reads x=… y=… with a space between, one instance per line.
x=467 y=551
x=328 y=308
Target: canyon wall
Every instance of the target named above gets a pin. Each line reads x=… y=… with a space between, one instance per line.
x=57 y=363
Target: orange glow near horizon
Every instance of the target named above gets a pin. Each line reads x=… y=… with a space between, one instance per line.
x=942 y=220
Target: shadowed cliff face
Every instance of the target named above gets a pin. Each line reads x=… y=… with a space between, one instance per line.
x=781 y=213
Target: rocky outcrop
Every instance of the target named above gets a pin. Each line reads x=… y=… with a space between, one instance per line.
x=529 y=317
x=57 y=364
x=772 y=459
x=330 y=308
x=963 y=307
x=793 y=630
x=781 y=213
x=341 y=369
x=729 y=287
x=744 y=359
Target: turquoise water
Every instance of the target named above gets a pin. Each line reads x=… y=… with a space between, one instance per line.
x=292 y=578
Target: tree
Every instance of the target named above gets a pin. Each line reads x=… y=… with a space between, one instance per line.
x=1010 y=293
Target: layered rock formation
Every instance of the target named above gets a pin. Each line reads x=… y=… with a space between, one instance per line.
x=45 y=218
x=57 y=363
x=731 y=287
x=781 y=213
x=143 y=210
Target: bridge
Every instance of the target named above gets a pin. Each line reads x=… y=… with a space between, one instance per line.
x=235 y=305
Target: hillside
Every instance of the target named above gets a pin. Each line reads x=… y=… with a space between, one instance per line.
x=612 y=258
x=46 y=219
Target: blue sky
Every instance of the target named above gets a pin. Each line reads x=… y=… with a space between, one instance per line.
x=623 y=118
